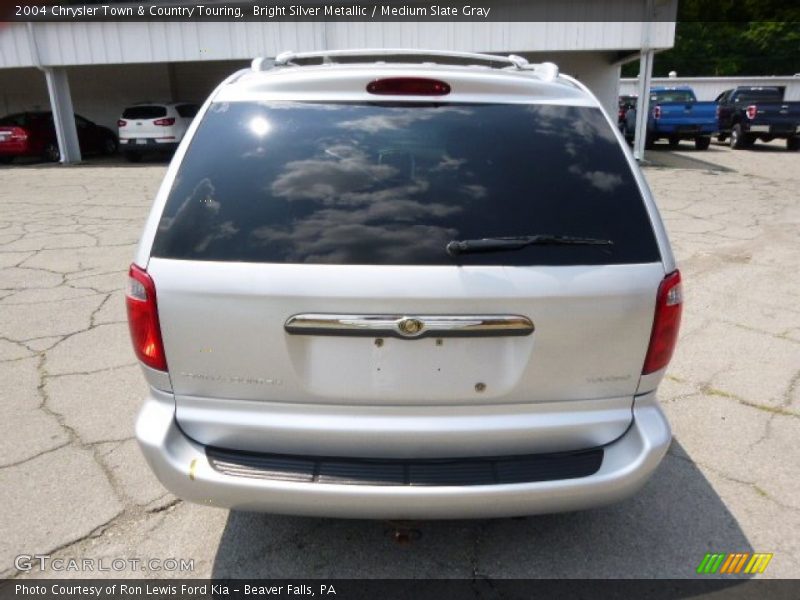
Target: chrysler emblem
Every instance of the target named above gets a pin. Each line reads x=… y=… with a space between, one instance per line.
x=409 y=327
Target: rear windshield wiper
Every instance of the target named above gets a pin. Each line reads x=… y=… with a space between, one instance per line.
x=501 y=244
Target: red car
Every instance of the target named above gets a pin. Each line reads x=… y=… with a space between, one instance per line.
x=34 y=134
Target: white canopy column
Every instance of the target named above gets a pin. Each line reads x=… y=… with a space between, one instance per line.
x=643 y=105
x=63 y=114
x=60 y=103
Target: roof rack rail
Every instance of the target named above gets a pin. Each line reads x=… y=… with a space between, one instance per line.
x=546 y=71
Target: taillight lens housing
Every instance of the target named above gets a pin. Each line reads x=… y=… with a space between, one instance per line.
x=751 y=111
x=121 y=123
x=408 y=86
x=657 y=112
x=140 y=300
x=666 y=323
x=18 y=134
x=164 y=122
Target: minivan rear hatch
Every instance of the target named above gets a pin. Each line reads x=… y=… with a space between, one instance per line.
x=335 y=214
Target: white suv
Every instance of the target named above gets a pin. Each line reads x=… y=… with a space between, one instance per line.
x=153 y=127
x=396 y=284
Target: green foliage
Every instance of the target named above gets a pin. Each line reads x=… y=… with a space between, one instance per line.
x=731 y=37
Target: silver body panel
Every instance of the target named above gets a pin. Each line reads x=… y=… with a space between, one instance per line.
x=181 y=465
x=223 y=323
x=404 y=432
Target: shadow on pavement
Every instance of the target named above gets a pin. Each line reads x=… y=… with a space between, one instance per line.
x=663 y=531
x=673 y=160
x=767 y=148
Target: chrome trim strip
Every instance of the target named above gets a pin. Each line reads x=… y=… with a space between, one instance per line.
x=409 y=326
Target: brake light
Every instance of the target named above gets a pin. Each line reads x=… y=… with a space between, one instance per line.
x=164 y=122
x=121 y=123
x=666 y=323
x=657 y=112
x=751 y=111
x=18 y=134
x=408 y=86
x=143 y=319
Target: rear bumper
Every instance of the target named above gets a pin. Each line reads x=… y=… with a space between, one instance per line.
x=15 y=148
x=147 y=145
x=183 y=467
x=774 y=130
x=685 y=131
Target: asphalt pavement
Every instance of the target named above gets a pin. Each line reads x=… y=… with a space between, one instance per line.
x=74 y=485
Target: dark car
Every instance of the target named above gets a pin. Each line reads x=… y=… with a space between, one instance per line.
x=626 y=102
x=34 y=134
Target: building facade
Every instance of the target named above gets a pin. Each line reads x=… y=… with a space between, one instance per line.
x=98 y=68
x=708 y=88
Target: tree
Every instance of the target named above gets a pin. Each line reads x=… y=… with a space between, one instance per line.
x=746 y=37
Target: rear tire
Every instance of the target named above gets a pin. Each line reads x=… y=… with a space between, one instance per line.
x=110 y=146
x=739 y=140
x=721 y=138
x=51 y=153
x=793 y=143
x=6 y=160
x=133 y=157
x=702 y=142
x=627 y=134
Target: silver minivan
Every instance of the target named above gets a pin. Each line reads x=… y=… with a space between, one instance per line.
x=403 y=284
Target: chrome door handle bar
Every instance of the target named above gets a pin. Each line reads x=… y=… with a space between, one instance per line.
x=409 y=326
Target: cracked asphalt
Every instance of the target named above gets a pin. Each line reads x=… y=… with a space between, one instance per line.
x=73 y=483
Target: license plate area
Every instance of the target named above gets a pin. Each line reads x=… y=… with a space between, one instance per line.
x=388 y=370
x=759 y=128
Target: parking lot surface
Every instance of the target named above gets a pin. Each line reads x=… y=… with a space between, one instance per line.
x=74 y=485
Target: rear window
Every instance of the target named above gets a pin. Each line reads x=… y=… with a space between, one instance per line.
x=393 y=184
x=14 y=120
x=25 y=119
x=672 y=96
x=144 y=112
x=763 y=95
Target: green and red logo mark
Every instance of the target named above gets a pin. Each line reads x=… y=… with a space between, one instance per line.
x=735 y=563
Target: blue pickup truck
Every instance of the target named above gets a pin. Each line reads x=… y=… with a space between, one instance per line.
x=675 y=115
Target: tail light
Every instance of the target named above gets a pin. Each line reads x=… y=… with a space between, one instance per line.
x=666 y=324
x=657 y=112
x=408 y=86
x=164 y=122
x=751 y=111
x=18 y=134
x=121 y=123
x=143 y=319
